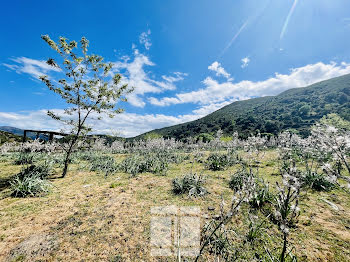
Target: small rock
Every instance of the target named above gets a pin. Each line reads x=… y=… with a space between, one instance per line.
x=87 y=185
x=217 y=217
x=332 y=205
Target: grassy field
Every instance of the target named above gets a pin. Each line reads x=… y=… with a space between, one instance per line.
x=90 y=217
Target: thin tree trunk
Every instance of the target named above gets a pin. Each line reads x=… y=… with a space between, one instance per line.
x=66 y=161
x=282 y=258
x=74 y=140
x=346 y=165
x=65 y=169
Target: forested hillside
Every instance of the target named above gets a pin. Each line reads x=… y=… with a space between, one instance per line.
x=295 y=109
x=8 y=137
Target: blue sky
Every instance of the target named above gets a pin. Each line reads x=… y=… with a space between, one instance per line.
x=185 y=58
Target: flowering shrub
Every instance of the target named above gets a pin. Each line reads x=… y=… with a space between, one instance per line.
x=286 y=207
x=117 y=147
x=217 y=233
x=9 y=147
x=261 y=195
x=333 y=141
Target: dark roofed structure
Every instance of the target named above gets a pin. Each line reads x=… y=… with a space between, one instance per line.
x=50 y=134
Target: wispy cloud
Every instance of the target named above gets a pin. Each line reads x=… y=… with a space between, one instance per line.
x=220 y=71
x=346 y=21
x=145 y=39
x=254 y=16
x=291 y=11
x=33 y=67
x=218 y=92
x=135 y=75
x=38 y=93
x=233 y=39
x=178 y=76
x=245 y=61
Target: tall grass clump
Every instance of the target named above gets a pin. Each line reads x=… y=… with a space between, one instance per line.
x=191 y=184
x=30 y=182
x=318 y=182
x=262 y=195
x=133 y=165
x=239 y=179
x=221 y=161
x=24 y=158
x=105 y=164
x=43 y=171
x=154 y=163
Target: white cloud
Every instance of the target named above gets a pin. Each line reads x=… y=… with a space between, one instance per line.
x=178 y=76
x=126 y=124
x=245 y=61
x=211 y=97
x=33 y=67
x=29 y=120
x=145 y=39
x=220 y=71
x=135 y=75
x=216 y=92
x=207 y=109
x=133 y=72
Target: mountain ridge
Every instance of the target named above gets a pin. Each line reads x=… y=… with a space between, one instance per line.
x=295 y=109
x=20 y=132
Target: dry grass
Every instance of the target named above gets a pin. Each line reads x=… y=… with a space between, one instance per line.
x=88 y=217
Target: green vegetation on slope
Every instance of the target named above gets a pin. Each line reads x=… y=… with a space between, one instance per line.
x=8 y=137
x=295 y=109
x=19 y=132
